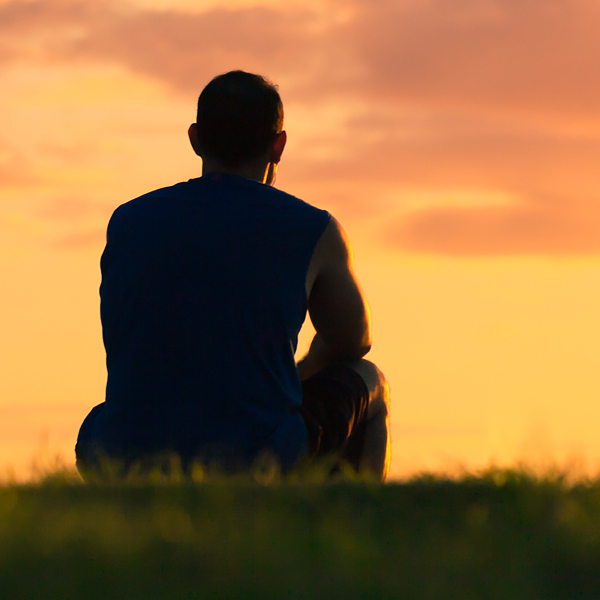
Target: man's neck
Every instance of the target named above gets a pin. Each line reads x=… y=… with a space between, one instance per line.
x=256 y=171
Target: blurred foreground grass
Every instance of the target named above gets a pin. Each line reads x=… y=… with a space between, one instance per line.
x=503 y=534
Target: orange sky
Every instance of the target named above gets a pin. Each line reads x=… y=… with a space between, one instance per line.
x=458 y=144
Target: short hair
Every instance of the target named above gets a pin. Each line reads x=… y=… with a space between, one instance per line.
x=239 y=115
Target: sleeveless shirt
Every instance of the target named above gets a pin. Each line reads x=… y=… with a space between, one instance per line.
x=202 y=298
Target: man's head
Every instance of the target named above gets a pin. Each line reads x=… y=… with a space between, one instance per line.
x=239 y=120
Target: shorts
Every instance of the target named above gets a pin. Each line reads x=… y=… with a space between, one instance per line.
x=334 y=409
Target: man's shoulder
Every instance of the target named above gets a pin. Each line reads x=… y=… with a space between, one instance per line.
x=140 y=211
x=285 y=199
x=151 y=197
x=231 y=192
x=295 y=200
x=154 y=199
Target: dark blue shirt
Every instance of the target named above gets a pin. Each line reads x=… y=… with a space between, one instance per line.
x=202 y=298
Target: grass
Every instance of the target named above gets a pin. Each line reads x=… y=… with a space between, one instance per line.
x=503 y=534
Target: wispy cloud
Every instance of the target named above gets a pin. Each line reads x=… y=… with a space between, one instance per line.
x=93 y=238
x=512 y=54
x=549 y=226
x=534 y=55
x=498 y=95
x=14 y=166
x=181 y=49
x=74 y=209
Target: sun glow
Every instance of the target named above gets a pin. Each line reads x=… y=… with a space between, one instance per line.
x=465 y=175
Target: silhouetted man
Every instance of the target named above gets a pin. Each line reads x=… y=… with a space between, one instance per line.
x=205 y=286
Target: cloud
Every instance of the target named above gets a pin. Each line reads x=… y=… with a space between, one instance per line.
x=522 y=161
x=548 y=226
x=185 y=50
x=510 y=54
x=73 y=153
x=93 y=238
x=534 y=55
x=74 y=209
x=552 y=179
x=82 y=221
x=498 y=95
x=15 y=169
x=182 y=49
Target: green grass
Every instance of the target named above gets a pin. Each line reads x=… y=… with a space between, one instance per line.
x=503 y=534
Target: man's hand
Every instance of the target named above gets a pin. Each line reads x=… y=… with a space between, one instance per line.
x=316 y=359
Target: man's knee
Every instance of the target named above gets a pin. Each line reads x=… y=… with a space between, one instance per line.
x=376 y=448
x=379 y=391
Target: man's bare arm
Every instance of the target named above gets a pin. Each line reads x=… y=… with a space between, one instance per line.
x=337 y=307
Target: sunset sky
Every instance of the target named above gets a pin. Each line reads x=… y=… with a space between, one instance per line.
x=457 y=141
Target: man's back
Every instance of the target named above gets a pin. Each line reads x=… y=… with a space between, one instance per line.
x=202 y=298
x=205 y=286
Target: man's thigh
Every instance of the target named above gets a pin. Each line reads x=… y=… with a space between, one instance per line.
x=334 y=408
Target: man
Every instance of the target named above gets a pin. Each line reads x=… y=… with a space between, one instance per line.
x=205 y=286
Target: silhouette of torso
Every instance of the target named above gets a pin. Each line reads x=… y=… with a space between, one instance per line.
x=202 y=298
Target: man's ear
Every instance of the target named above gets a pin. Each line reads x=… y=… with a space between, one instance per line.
x=193 y=135
x=278 y=146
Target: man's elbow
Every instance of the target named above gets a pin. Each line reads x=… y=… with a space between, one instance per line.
x=353 y=349
x=362 y=350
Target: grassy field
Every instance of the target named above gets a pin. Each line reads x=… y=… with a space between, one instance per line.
x=503 y=534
